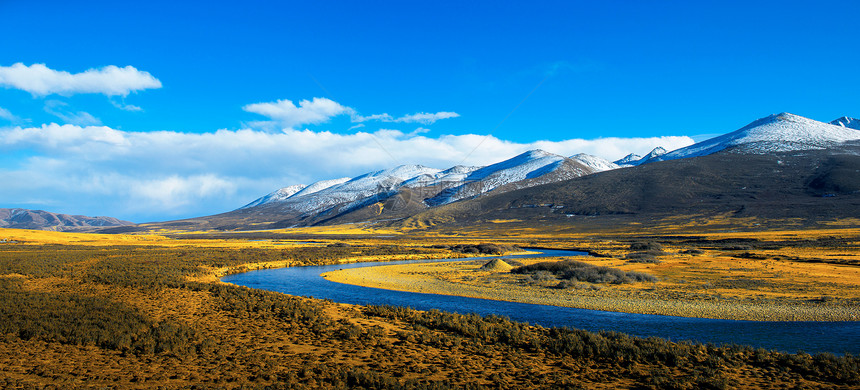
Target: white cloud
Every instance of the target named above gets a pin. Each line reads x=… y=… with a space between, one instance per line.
x=5 y=114
x=176 y=192
x=161 y=175
x=110 y=80
x=427 y=118
x=59 y=109
x=420 y=117
x=286 y=114
x=125 y=107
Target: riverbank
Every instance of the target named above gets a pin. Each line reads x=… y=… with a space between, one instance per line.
x=665 y=298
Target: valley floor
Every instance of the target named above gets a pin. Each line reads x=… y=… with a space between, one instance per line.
x=96 y=311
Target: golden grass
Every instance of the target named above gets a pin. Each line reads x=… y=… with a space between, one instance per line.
x=257 y=350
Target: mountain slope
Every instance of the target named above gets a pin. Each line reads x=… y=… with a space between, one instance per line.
x=775 y=133
x=44 y=220
x=277 y=196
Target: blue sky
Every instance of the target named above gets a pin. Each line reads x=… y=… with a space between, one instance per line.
x=210 y=114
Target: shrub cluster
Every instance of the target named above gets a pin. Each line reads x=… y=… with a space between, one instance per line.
x=642 y=257
x=700 y=365
x=485 y=249
x=86 y=320
x=243 y=302
x=583 y=272
x=646 y=246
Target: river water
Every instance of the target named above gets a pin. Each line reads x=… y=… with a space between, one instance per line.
x=808 y=336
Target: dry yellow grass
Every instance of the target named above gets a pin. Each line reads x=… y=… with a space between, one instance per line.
x=257 y=349
x=41 y=237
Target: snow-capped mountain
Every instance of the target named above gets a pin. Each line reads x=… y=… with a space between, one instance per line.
x=409 y=190
x=596 y=163
x=353 y=192
x=776 y=133
x=632 y=160
x=846 y=121
x=420 y=186
x=656 y=152
x=628 y=160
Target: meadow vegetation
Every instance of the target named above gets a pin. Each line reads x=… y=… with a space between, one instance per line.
x=151 y=314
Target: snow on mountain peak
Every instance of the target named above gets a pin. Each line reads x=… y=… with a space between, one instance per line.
x=658 y=151
x=405 y=172
x=775 y=133
x=290 y=190
x=596 y=163
x=537 y=153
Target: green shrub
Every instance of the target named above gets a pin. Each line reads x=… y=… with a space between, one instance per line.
x=583 y=272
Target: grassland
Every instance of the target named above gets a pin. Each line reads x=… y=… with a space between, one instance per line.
x=96 y=311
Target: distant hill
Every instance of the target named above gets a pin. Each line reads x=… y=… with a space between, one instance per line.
x=44 y=220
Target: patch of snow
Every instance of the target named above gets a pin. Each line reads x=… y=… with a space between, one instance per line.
x=277 y=196
x=320 y=185
x=454 y=174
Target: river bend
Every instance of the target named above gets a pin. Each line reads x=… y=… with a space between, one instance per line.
x=808 y=336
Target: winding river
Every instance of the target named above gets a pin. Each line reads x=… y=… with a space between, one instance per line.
x=836 y=337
